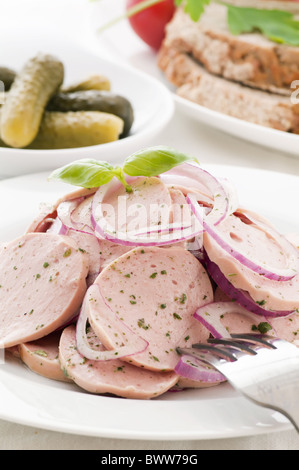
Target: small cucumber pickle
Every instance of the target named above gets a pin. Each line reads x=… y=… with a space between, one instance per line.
x=24 y=105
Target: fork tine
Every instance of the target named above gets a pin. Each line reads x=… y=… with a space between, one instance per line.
x=223 y=352
x=264 y=340
x=256 y=338
x=271 y=342
x=204 y=356
x=209 y=354
x=237 y=343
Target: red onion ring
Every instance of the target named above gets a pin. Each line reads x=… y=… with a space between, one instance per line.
x=261 y=269
x=136 y=238
x=65 y=209
x=58 y=227
x=64 y=214
x=210 y=316
x=222 y=204
x=238 y=295
x=192 y=368
x=83 y=345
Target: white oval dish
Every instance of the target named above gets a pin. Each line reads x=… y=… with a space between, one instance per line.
x=152 y=102
x=219 y=412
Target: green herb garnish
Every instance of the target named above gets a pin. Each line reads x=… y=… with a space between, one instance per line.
x=194 y=8
x=261 y=302
x=141 y=324
x=177 y=316
x=40 y=352
x=262 y=327
x=148 y=162
x=278 y=26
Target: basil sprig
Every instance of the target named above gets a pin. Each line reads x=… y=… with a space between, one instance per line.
x=86 y=173
x=148 y=162
x=153 y=161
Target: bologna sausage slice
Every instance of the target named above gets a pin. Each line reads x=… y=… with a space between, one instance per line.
x=116 y=377
x=42 y=285
x=155 y=291
x=48 y=212
x=271 y=294
x=42 y=357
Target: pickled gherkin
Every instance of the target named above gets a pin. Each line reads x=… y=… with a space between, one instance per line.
x=94 y=82
x=76 y=129
x=94 y=100
x=25 y=103
x=7 y=76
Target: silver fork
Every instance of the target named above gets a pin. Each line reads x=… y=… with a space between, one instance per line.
x=263 y=368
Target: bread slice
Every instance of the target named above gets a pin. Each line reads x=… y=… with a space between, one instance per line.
x=198 y=85
x=250 y=59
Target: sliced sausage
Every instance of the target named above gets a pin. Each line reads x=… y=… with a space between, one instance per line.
x=114 y=377
x=189 y=383
x=236 y=323
x=272 y=294
x=287 y=328
x=42 y=357
x=110 y=251
x=43 y=283
x=82 y=214
x=293 y=238
x=149 y=204
x=155 y=291
x=48 y=212
x=89 y=245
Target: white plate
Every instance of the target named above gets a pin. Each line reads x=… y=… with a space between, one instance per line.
x=214 y=413
x=121 y=42
x=152 y=102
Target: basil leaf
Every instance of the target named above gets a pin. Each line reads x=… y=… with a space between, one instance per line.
x=153 y=161
x=85 y=173
x=194 y=8
x=276 y=25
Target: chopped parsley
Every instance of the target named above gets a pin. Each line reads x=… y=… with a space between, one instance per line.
x=183 y=298
x=67 y=253
x=155 y=358
x=40 y=352
x=177 y=316
x=141 y=324
x=262 y=327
